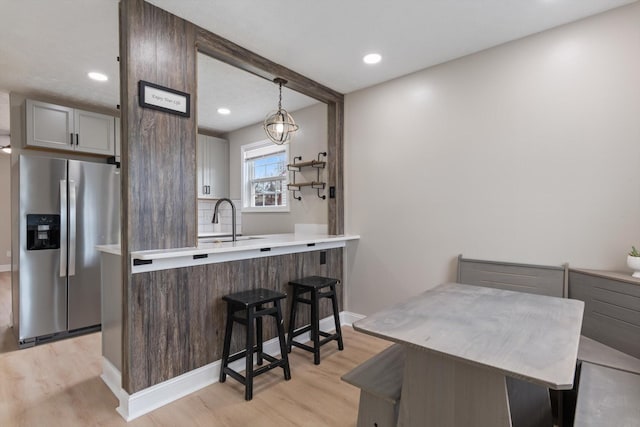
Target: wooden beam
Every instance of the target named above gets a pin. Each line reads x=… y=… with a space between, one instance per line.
x=233 y=54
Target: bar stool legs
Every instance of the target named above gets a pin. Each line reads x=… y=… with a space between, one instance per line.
x=251 y=303
x=314 y=286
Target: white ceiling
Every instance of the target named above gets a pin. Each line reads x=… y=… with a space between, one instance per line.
x=47 y=47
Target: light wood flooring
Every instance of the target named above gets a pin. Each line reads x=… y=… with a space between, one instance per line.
x=58 y=384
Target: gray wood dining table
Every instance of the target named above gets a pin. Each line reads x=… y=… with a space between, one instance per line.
x=465 y=344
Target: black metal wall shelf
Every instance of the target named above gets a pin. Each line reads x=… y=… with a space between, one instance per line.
x=297 y=166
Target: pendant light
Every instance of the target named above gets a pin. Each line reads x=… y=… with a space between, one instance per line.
x=279 y=125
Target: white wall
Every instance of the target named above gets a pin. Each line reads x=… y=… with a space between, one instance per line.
x=527 y=152
x=5 y=211
x=310 y=139
x=5 y=185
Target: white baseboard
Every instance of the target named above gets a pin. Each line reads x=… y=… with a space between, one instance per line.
x=5 y=267
x=137 y=404
x=347 y=318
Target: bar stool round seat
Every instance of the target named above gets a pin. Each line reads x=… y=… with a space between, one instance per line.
x=317 y=287
x=247 y=308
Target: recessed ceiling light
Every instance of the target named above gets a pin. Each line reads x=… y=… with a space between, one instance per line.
x=224 y=111
x=372 y=58
x=98 y=76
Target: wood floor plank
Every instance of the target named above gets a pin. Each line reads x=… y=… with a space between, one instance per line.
x=58 y=384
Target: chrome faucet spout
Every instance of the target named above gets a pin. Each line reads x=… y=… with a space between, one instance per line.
x=214 y=220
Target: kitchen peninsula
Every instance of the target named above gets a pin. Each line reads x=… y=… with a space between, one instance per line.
x=186 y=317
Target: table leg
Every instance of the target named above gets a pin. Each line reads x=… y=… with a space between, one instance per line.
x=438 y=391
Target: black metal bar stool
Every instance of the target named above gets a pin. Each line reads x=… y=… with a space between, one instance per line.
x=317 y=287
x=246 y=307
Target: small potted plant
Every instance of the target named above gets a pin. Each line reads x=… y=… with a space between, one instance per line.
x=633 y=261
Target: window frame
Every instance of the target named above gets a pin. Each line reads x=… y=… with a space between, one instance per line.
x=245 y=188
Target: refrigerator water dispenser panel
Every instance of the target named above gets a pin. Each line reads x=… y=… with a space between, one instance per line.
x=43 y=232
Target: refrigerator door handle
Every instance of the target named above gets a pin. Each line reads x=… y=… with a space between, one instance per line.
x=72 y=228
x=63 y=227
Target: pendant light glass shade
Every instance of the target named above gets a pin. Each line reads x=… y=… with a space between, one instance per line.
x=279 y=125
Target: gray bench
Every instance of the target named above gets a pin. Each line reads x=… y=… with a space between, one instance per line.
x=380 y=383
x=611 y=324
x=607 y=397
x=595 y=352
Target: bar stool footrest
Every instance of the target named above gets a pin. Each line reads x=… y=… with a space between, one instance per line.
x=242 y=354
x=300 y=331
x=235 y=375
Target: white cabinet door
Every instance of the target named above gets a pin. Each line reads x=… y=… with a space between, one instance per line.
x=65 y=128
x=202 y=144
x=117 y=139
x=213 y=167
x=94 y=132
x=50 y=125
x=219 y=167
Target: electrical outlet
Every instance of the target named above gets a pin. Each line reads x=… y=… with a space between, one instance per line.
x=8 y=254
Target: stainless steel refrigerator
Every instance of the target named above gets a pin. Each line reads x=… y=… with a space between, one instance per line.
x=67 y=207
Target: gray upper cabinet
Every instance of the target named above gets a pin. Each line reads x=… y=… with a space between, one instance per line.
x=63 y=128
x=213 y=167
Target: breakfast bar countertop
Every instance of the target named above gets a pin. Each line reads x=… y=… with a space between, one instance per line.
x=256 y=242
x=213 y=251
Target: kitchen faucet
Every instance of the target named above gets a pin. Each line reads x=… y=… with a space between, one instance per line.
x=214 y=220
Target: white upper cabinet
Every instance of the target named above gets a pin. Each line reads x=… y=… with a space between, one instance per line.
x=64 y=128
x=50 y=125
x=117 y=139
x=94 y=132
x=213 y=167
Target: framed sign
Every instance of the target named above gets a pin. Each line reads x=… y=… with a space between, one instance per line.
x=164 y=99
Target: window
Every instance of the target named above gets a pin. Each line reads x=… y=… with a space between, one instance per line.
x=265 y=177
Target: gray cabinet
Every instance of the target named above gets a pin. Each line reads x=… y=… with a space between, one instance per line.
x=64 y=128
x=213 y=167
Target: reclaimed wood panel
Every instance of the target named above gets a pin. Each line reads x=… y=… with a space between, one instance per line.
x=178 y=316
x=335 y=150
x=233 y=54
x=158 y=151
x=158 y=148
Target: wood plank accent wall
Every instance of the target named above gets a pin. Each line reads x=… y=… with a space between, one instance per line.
x=158 y=151
x=179 y=315
x=335 y=164
x=159 y=161
x=165 y=331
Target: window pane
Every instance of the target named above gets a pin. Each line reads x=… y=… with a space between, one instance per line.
x=268 y=193
x=265 y=176
x=269 y=166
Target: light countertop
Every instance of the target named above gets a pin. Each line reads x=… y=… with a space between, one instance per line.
x=247 y=247
x=257 y=242
x=110 y=249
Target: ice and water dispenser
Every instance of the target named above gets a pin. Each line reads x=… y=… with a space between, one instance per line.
x=43 y=232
